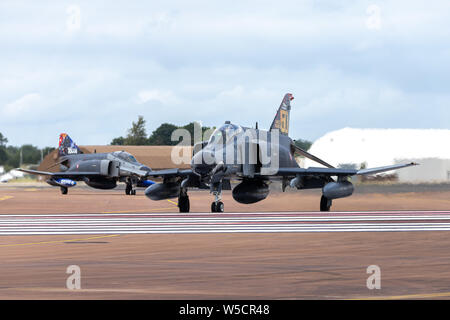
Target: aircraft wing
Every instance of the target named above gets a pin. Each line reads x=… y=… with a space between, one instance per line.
x=384 y=169
x=170 y=173
x=296 y=171
x=337 y=171
x=61 y=174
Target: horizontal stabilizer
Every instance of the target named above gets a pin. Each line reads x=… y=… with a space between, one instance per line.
x=306 y=154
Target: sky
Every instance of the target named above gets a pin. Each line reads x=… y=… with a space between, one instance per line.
x=89 y=68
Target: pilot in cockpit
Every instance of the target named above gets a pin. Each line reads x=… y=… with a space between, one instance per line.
x=225 y=133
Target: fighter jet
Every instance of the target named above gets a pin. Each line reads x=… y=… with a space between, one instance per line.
x=254 y=157
x=97 y=170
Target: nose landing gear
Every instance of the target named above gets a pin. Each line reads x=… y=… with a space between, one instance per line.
x=129 y=190
x=217 y=205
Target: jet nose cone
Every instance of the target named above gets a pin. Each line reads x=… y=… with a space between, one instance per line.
x=203 y=162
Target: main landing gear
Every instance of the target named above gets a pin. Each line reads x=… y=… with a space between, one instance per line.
x=64 y=190
x=216 y=206
x=325 y=204
x=183 y=202
x=129 y=190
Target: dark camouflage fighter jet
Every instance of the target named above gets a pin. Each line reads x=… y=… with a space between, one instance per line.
x=97 y=170
x=254 y=158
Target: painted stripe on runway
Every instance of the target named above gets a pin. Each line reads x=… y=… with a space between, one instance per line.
x=392 y=221
x=224 y=220
x=58 y=241
x=192 y=214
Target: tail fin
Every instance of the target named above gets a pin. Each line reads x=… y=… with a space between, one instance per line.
x=281 y=120
x=67 y=146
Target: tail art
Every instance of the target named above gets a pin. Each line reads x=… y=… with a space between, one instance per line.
x=281 y=120
x=67 y=146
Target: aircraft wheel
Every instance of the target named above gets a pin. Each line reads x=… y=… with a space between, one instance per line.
x=325 y=204
x=183 y=204
x=64 y=190
x=128 y=190
x=133 y=192
x=217 y=207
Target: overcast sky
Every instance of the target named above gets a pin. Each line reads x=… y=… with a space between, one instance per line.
x=89 y=68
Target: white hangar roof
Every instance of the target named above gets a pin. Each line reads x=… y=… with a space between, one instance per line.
x=379 y=147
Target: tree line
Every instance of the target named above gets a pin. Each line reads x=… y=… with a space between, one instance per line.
x=137 y=135
x=12 y=156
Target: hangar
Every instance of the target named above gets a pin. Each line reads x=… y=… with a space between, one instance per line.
x=350 y=147
x=155 y=157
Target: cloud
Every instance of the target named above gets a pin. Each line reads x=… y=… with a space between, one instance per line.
x=212 y=62
x=22 y=106
x=236 y=93
x=163 y=96
x=73 y=22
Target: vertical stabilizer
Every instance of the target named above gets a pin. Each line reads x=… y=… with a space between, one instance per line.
x=281 y=120
x=67 y=146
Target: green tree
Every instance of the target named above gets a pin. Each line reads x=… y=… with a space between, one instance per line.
x=3 y=155
x=119 y=141
x=3 y=140
x=30 y=154
x=304 y=144
x=191 y=127
x=162 y=135
x=137 y=134
x=13 y=154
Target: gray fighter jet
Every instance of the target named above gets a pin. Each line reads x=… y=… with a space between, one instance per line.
x=97 y=170
x=254 y=158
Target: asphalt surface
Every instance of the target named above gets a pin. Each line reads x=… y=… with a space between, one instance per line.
x=129 y=247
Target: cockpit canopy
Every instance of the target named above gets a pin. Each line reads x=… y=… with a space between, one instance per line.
x=225 y=133
x=125 y=156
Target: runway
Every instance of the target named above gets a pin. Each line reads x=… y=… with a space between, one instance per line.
x=267 y=222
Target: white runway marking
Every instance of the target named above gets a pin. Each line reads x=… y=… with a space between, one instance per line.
x=141 y=223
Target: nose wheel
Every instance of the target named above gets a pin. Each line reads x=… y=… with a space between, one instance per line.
x=129 y=190
x=217 y=206
x=216 y=190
